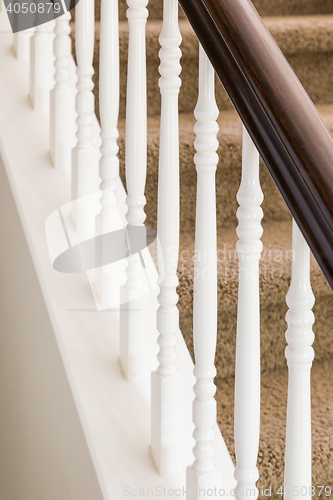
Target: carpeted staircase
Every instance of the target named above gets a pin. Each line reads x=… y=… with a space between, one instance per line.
x=304 y=31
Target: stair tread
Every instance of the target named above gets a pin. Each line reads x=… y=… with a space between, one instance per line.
x=292 y=33
x=304 y=20
x=300 y=33
x=273 y=424
x=229 y=122
x=277 y=245
x=230 y=125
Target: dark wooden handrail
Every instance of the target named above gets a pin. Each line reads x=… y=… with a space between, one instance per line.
x=285 y=126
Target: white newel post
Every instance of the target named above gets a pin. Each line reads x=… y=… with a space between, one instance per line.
x=85 y=156
x=167 y=397
x=299 y=354
x=62 y=110
x=247 y=371
x=42 y=66
x=109 y=218
x=204 y=473
x=135 y=324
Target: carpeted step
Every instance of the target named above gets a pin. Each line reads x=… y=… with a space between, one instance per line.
x=273 y=427
x=228 y=172
x=307 y=42
x=275 y=275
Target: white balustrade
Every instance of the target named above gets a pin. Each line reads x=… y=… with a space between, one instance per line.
x=85 y=156
x=109 y=218
x=204 y=473
x=247 y=370
x=167 y=399
x=62 y=111
x=41 y=65
x=299 y=354
x=135 y=324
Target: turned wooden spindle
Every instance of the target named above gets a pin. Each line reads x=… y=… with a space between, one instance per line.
x=109 y=218
x=62 y=110
x=135 y=325
x=203 y=473
x=85 y=156
x=299 y=354
x=247 y=371
x=167 y=382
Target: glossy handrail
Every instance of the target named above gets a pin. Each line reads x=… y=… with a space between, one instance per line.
x=281 y=119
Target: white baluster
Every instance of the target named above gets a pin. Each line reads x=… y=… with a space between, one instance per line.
x=204 y=473
x=62 y=111
x=247 y=370
x=109 y=218
x=21 y=38
x=134 y=321
x=85 y=156
x=41 y=65
x=299 y=354
x=21 y=43
x=167 y=382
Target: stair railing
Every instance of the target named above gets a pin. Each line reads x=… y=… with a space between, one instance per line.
x=282 y=124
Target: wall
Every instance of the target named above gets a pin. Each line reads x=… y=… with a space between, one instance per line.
x=43 y=452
